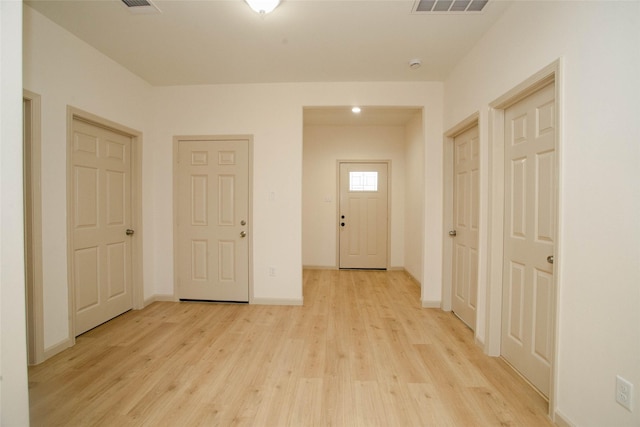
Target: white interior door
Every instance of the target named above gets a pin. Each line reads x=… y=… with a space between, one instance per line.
x=212 y=229
x=363 y=218
x=466 y=186
x=101 y=261
x=530 y=213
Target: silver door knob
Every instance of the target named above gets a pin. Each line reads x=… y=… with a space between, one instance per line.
x=243 y=234
x=129 y=232
x=453 y=233
x=550 y=259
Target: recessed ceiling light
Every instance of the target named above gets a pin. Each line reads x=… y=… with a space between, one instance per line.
x=356 y=110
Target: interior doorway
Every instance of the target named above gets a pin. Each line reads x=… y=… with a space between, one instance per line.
x=519 y=214
x=335 y=134
x=104 y=225
x=529 y=236
x=33 y=227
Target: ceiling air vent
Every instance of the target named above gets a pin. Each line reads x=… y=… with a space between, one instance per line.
x=141 y=6
x=448 y=6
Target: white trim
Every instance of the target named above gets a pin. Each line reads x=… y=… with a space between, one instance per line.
x=550 y=74
x=412 y=277
x=463 y=126
x=58 y=348
x=35 y=298
x=561 y=420
x=319 y=267
x=159 y=298
x=431 y=304
x=277 y=301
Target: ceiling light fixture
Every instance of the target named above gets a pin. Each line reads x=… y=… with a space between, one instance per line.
x=263 y=6
x=356 y=110
x=414 y=64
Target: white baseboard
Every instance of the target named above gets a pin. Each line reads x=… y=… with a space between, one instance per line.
x=417 y=282
x=561 y=420
x=431 y=304
x=57 y=348
x=276 y=301
x=159 y=297
x=319 y=267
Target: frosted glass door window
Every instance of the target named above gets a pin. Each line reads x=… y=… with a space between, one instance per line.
x=363 y=181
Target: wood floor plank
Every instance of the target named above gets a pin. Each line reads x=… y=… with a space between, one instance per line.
x=361 y=351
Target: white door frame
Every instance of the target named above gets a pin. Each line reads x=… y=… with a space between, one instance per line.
x=33 y=238
x=549 y=74
x=389 y=196
x=176 y=142
x=136 y=207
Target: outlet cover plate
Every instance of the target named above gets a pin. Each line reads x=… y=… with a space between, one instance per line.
x=624 y=392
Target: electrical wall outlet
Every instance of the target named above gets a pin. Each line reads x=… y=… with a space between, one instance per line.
x=624 y=392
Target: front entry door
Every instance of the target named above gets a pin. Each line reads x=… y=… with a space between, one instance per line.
x=466 y=186
x=363 y=220
x=212 y=230
x=530 y=221
x=101 y=216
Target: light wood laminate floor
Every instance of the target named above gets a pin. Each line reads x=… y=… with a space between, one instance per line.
x=360 y=352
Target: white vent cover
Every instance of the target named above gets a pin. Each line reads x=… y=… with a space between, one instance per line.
x=449 y=6
x=141 y=6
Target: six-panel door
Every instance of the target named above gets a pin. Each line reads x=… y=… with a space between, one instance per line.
x=213 y=207
x=466 y=201
x=101 y=214
x=529 y=230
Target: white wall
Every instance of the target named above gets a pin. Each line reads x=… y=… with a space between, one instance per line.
x=272 y=113
x=323 y=147
x=414 y=197
x=599 y=231
x=14 y=398
x=65 y=71
x=599 y=254
x=431 y=294
x=268 y=113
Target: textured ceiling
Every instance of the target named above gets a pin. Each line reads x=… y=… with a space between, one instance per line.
x=223 y=41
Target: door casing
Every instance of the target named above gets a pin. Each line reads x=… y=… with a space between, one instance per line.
x=549 y=74
x=136 y=207
x=33 y=227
